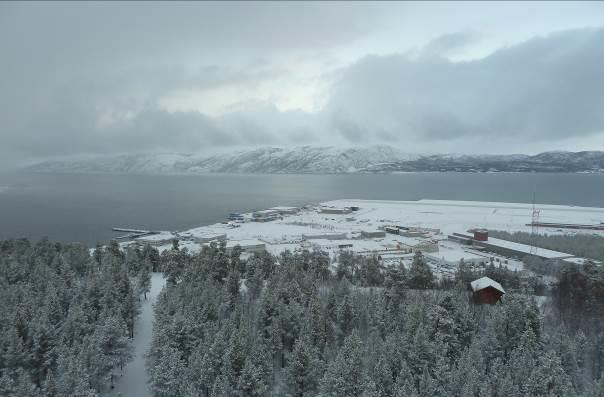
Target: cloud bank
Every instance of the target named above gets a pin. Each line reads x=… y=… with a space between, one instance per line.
x=190 y=77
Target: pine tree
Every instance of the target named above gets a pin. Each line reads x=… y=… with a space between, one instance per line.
x=371 y=390
x=405 y=383
x=166 y=373
x=304 y=368
x=345 y=375
x=549 y=379
x=420 y=274
x=382 y=375
x=144 y=281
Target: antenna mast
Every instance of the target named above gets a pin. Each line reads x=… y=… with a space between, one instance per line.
x=534 y=226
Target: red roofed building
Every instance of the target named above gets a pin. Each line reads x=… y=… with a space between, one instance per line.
x=486 y=291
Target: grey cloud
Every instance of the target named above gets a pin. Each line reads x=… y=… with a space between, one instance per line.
x=92 y=33
x=448 y=44
x=157 y=129
x=347 y=128
x=258 y=123
x=67 y=66
x=546 y=88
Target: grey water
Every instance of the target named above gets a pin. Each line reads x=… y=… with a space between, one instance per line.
x=84 y=208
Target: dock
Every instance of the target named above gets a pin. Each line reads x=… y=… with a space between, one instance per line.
x=133 y=233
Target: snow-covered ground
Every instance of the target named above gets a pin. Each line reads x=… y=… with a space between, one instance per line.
x=437 y=218
x=133 y=382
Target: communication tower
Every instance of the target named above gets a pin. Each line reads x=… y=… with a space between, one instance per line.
x=534 y=227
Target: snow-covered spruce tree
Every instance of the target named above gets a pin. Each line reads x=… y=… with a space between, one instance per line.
x=66 y=317
x=420 y=274
x=345 y=376
x=305 y=368
x=296 y=330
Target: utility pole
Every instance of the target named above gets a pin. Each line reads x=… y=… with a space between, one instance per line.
x=534 y=225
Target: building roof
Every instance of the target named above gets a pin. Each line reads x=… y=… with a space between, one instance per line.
x=523 y=248
x=244 y=243
x=485 y=282
x=265 y=212
x=453 y=255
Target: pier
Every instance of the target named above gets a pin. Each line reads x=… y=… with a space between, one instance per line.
x=133 y=233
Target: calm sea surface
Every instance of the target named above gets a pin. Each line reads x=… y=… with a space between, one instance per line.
x=75 y=207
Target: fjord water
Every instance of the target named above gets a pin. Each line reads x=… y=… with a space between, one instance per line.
x=84 y=208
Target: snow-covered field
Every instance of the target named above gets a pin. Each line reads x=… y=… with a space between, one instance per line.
x=436 y=218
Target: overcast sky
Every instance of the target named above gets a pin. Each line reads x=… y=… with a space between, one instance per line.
x=87 y=78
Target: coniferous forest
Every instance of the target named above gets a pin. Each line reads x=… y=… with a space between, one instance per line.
x=294 y=326
x=67 y=317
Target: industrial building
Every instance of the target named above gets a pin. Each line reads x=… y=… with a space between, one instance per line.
x=250 y=245
x=480 y=239
x=373 y=233
x=285 y=210
x=419 y=245
x=410 y=231
x=236 y=216
x=390 y=258
x=451 y=257
x=265 y=216
x=335 y=210
x=204 y=237
x=325 y=236
x=208 y=237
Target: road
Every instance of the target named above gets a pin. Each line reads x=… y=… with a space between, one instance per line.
x=133 y=382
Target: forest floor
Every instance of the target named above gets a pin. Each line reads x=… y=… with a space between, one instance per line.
x=133 y=381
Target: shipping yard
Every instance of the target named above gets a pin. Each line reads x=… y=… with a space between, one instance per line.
x=444 y=231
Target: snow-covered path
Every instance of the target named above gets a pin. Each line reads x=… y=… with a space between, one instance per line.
x=133 y=382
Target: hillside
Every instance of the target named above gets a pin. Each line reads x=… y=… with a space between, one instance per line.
x=326 y=160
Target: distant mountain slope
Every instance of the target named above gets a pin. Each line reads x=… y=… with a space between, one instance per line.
x=326 y=160
x=305 y=159
x=545 y=162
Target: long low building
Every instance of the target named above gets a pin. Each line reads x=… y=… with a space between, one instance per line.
x=206 y=238
x=512 y=249
x=452 y=257
x=285 y=210
x=373 y=233
x=250 y=245
x=325 y=236
x=335 y=210
x=265 y=216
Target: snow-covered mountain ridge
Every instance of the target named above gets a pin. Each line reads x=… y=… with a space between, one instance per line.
x=326 y=160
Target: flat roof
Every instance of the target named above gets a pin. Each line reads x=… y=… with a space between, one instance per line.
x=453 y=255
x=524 y=248
x=545 y=253
x=244 y=243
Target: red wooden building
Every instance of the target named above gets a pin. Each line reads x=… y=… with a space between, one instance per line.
x=486 y=291
x=481 y=235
